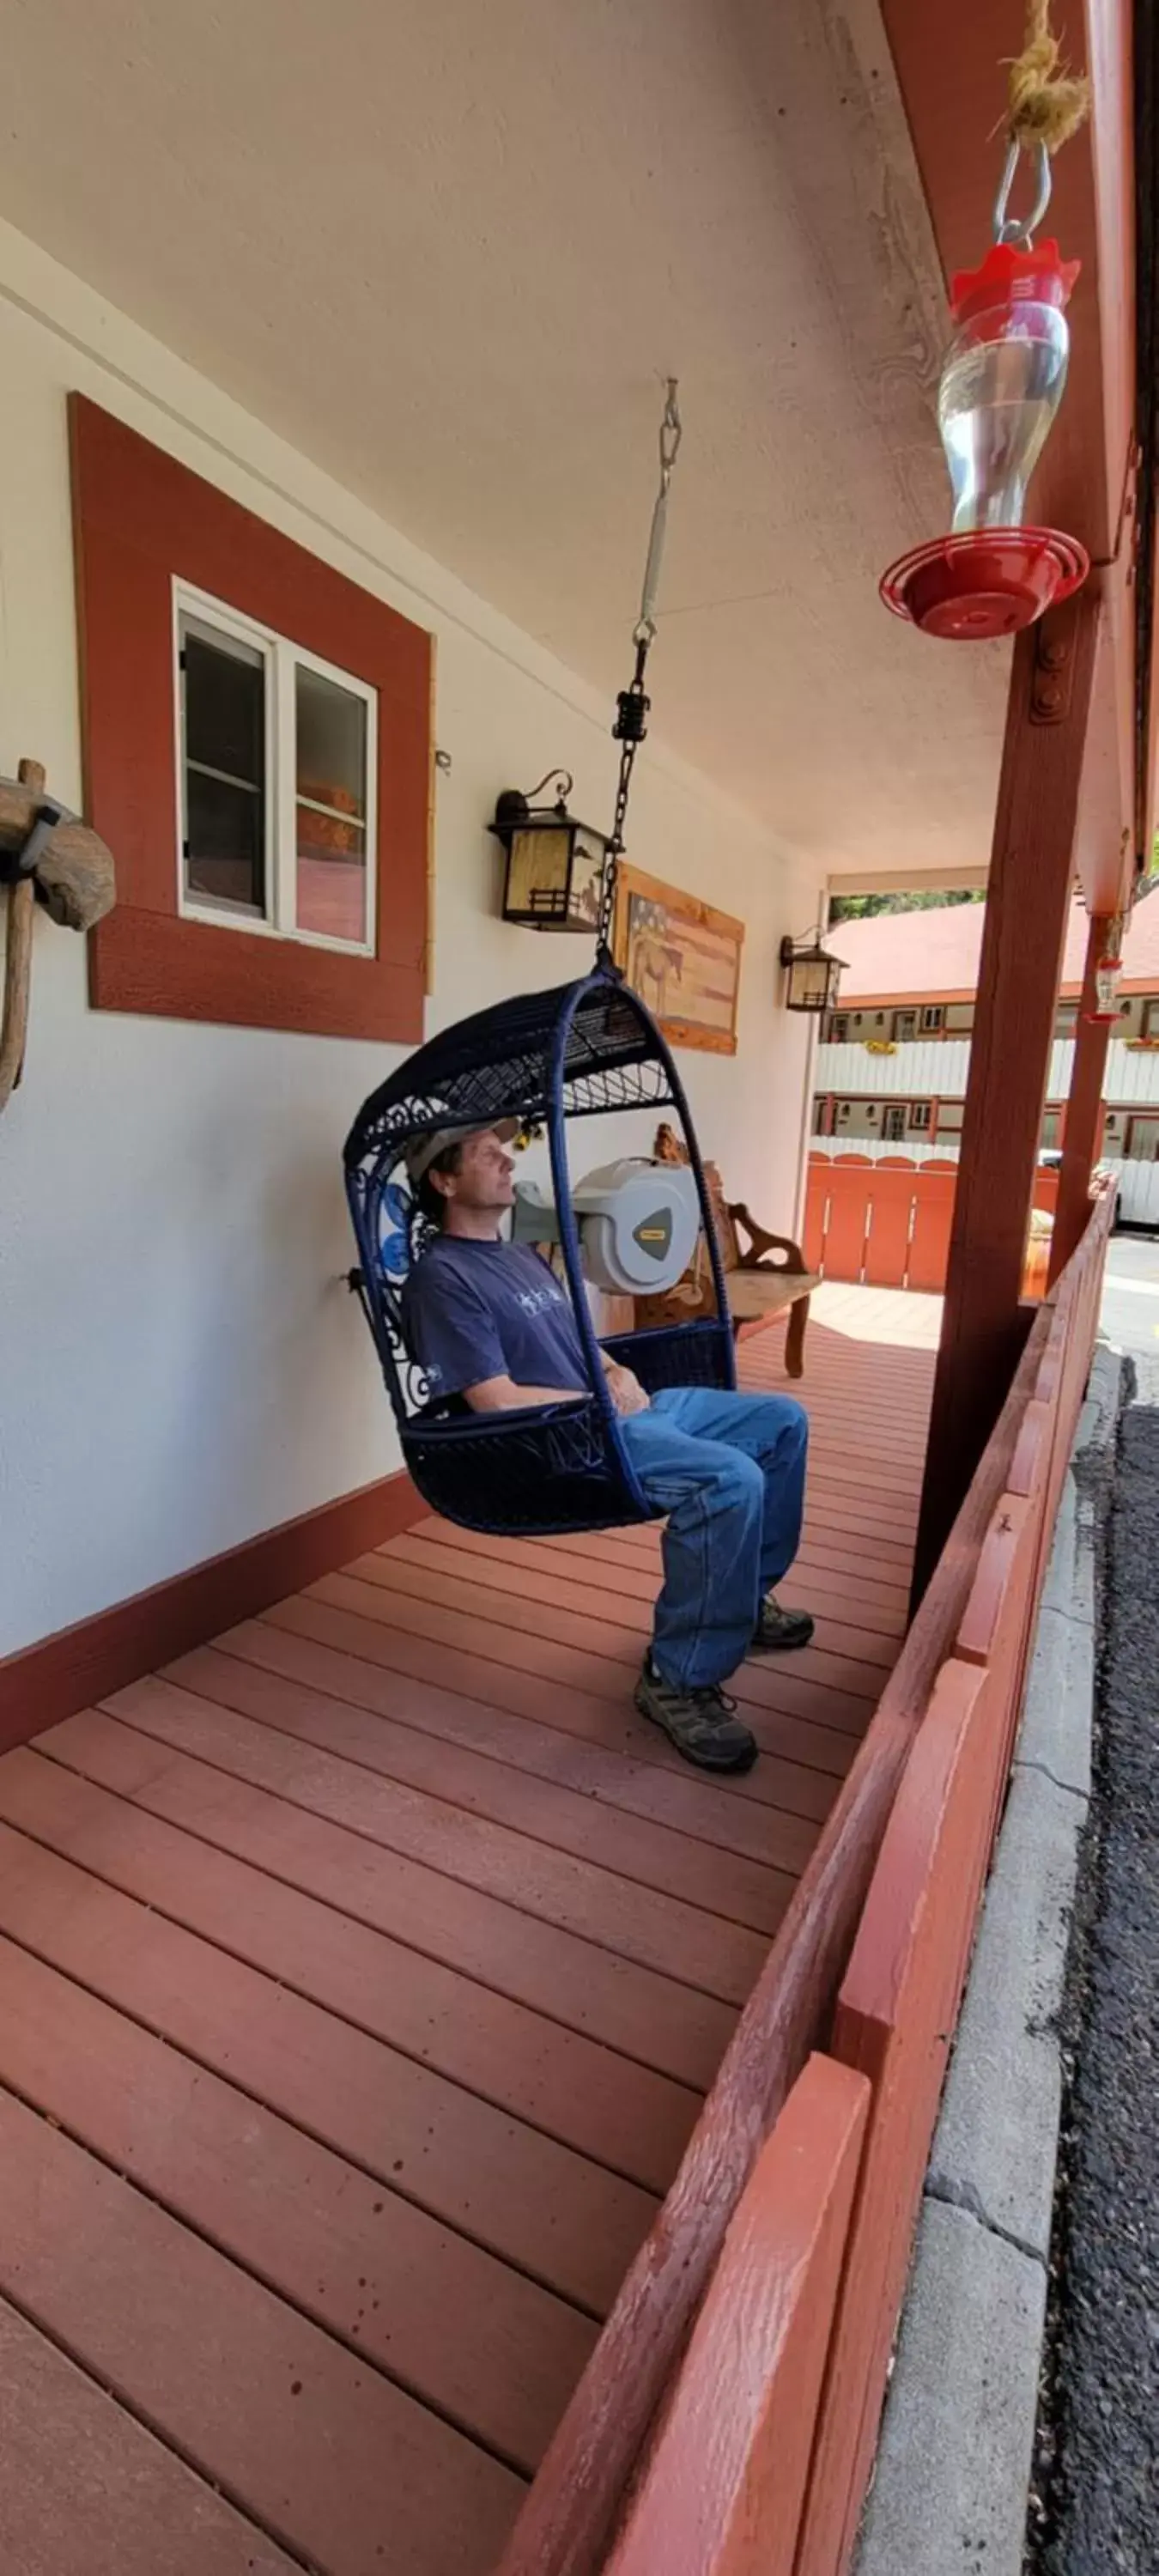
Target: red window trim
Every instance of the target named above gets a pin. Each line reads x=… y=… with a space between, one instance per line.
x=141 y=521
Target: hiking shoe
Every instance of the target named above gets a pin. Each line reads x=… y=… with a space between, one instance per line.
x=777 y=1631
x=702 y=1724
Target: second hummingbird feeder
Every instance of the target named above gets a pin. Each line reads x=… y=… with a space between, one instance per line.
x=1001 y=384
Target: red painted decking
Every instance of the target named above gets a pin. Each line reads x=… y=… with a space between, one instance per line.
x=361 y=1978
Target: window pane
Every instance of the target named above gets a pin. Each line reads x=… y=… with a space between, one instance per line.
x=225 y=706
x=225 y=842
x=224 y=700
x=331 y=813
x=331 y=877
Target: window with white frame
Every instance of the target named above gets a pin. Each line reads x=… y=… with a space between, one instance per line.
x=919 y=1113
x=276 y=782
x=933 y=1018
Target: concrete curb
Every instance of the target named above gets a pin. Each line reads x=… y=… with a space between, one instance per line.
x=950 y=2487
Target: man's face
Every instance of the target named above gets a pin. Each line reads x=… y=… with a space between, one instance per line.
x=485 y=1175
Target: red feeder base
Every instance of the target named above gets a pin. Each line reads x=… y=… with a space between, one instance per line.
x=990 y=582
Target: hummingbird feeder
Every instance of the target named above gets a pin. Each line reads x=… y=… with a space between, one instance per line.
x=1001 y=384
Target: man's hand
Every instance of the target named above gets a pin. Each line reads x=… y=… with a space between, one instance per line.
x=626 y=1392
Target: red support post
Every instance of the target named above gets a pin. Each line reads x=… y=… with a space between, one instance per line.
x=1031 y=871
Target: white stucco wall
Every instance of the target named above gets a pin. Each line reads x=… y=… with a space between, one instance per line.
x=180 y=1367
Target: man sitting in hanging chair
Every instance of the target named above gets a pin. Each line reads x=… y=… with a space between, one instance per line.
x=489 y=1323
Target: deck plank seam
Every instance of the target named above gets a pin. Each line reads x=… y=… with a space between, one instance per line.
x=137 y=2415
x=253 y=2271
x=387 y=2183
x=745 y=1788
x=301 y=1806
x=590 y=1797
x=348 y=2020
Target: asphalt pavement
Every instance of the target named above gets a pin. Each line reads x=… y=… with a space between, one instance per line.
x=1095 y=2505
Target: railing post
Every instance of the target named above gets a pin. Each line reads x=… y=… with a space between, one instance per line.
x=1084 y=1112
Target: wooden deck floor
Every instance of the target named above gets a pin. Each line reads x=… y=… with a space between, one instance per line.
x=360 y=1979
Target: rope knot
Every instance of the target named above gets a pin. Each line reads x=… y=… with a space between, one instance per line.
x=1047 y=102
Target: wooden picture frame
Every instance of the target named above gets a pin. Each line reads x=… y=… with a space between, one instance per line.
x=668 y=943
x=143 y=522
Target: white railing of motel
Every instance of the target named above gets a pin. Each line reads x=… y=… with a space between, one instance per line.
x=936 y=1069
x=918 y=1069
x=915 y=1149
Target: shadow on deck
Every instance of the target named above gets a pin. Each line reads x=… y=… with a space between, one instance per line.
x=362 y=1977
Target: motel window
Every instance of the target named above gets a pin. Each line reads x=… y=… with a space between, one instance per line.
x=919 y=1113
x=933 y=1019
x=277 y=770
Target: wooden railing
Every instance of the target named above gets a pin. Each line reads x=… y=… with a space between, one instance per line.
x=885 y=1223
x=782 y=2246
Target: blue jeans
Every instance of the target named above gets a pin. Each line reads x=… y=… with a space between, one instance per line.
x=729 y=1470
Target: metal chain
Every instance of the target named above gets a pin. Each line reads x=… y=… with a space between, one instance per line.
x=633 y=704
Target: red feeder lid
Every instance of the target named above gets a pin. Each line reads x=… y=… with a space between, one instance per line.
x=1010 y=276
x=990 y=581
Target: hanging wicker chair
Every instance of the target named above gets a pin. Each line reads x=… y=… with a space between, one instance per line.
x=577 y=1051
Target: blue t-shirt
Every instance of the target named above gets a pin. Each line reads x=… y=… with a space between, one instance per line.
x=477 y=1310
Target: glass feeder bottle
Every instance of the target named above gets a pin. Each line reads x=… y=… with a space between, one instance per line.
x=1002 y=380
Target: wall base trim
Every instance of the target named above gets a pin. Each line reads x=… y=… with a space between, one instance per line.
x=67 y=1671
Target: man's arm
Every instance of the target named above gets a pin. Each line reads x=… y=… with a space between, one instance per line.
x=502 y=1395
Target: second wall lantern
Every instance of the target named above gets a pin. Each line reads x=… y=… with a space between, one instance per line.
x=814 y=976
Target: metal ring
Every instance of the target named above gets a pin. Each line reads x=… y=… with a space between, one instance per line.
x=671 y=432
x=1018 y=228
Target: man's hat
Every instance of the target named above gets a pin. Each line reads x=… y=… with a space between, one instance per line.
x=427 y=1149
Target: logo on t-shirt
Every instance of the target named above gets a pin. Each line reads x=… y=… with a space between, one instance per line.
x=534 y=1300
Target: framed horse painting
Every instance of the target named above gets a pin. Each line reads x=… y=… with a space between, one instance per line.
x=681 y=957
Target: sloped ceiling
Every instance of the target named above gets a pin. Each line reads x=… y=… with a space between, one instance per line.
x=451 y=251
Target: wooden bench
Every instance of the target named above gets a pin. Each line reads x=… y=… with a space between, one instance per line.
x=768 y=1275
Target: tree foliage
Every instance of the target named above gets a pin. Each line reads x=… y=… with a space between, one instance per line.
x=856 y=907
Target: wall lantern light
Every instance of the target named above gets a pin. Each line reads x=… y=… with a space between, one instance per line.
x=814 y=976
x=1001 y=385
x=555 y=866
